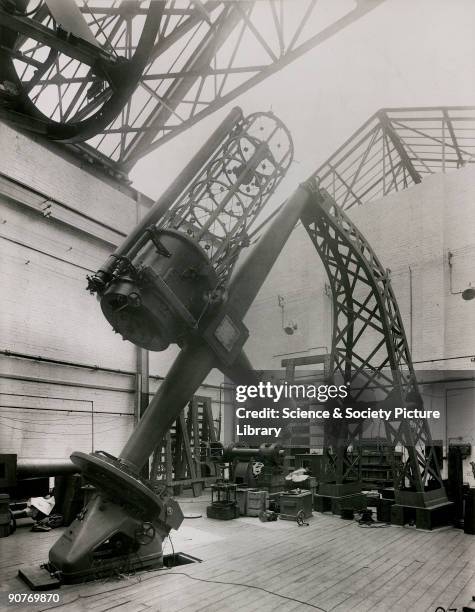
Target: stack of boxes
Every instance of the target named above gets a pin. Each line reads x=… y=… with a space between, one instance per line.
x=251 y=502
x=256 y=502
x=294 y=502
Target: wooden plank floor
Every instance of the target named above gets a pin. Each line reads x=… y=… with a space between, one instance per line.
x=330 y=565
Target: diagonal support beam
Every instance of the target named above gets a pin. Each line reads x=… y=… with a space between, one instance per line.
x=450 y=127
x=398 y=145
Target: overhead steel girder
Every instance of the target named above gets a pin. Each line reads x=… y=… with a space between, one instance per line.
x=369 y=345
x=198 y=62
x=395 y=149
x=71 y=46
x=157 y=131
x=115 y=77
x=179 y=87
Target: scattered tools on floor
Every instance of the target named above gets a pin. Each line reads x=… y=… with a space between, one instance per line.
x=300 y=518
x=267 y=516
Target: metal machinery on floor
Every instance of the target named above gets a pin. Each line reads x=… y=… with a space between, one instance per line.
x=261 y=467
x=171 y=282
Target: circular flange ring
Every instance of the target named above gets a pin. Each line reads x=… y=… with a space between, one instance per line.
x=123 y=487
x=96 y=83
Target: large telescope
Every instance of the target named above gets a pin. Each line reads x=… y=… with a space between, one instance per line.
x=175 y=280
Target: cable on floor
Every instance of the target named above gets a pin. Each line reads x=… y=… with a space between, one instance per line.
x=169 y=572
x=247 y=586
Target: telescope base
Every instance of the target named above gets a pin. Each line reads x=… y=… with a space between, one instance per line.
x=104 y=540
x=121 y=528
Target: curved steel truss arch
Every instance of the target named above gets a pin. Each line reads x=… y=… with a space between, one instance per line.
x=65 y=77
x=369 y=345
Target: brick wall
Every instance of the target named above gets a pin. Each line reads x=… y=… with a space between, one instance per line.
x=48 y=245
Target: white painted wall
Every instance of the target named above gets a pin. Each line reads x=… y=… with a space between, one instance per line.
x=45 y=310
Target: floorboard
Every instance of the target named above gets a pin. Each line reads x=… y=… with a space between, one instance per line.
x=331 y=565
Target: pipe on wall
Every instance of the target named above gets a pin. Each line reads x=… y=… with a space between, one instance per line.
x=84 y=366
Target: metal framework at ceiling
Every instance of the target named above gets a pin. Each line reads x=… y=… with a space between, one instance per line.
x=205 y=54
x=42 y=46
x=397 y=148
x=369 y=349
